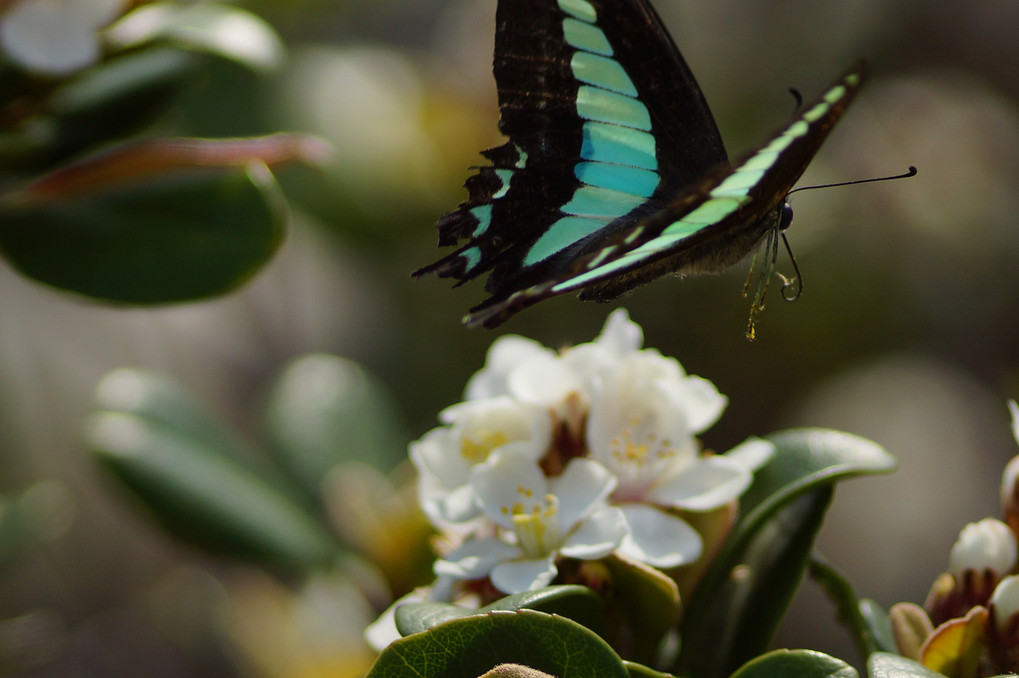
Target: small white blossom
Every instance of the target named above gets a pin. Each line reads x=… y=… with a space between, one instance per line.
x=56 y=37
x=643 y=418
x=445 y=456
x=988 y=544
x=1005 y=600
x=540 y=518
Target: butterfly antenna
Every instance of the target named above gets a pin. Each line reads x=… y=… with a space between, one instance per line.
x=905 y=175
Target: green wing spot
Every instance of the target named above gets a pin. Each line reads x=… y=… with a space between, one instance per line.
x=505 y=176
x=581 y=9
x=561 y=235
x=763 y=159
x=619 y=145
x=602 y=72
x=586 y=37
x=472 y=257
x=707 y=213
x=591 y=201
x=617 y=177
x=483 y=213
x=738 y=183
x=601 y=256
x=603 y=106
x=835 y=94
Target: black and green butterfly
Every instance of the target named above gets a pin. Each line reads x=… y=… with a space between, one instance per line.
x=615 y=172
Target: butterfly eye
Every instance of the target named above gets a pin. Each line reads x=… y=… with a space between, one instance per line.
x=787 y=217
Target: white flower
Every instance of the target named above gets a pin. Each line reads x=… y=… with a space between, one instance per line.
x=540 y=518
x=643 y=418
x=445 y=456
x=532 y=373
x=1005 y=600
x=988 y=544
x=56 y=37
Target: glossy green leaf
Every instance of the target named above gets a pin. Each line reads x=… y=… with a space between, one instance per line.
x=206 y=498
x=796 y=664
x=640 y=671
x=735 y=620
x=325 y=410
x=226 y=31
x=181 y=235
x=735 y=609
x=887 y=665
x=468 y=647
x=646 y=602
x=578 y=603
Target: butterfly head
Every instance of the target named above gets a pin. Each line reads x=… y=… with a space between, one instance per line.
x=785 y=219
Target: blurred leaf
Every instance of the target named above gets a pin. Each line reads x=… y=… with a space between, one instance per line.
x=205 y=498
x=887 y=665
x=165 y=237
x=223 y=30
x=578 y=603
x=325 y=410
x=163 y=402
x=796 y=664
x=116 y=97
x=41 y=512
x=468 y=647
x=735 y=609
x=645 y=602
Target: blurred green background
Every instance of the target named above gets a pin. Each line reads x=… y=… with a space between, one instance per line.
x=907 y=331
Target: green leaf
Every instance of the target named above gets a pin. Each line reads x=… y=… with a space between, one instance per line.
x=325 y=410
x=735 y=609
x=887 y=665
x=223 y=30
x=645 y=602
x=116 y=98
x=866 y=622
x=162 y=402
x=578 y=603
x=39 y=513
x=468 y=647
x=641 y=671
x=175 y=236
x=742 y=613
x=206 y=498
x=796 y=664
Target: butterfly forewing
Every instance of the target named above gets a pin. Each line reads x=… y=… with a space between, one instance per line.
x=602 y=114
x=614 y=172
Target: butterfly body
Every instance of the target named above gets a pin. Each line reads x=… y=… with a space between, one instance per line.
x=614 y=173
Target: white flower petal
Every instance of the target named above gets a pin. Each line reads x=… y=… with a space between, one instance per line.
x=707 y=484
x=620 y=335
x=475 y=559
x=597 y=535
x=508 y=479
x=658 y=538
x=583 y=485
x=506 y=353
x=1005 y=601
x=459 y=506
x=544 y=380
x=752 y=453
x=988 y=543
x=437 y=454
x=702 y=404
x=523 y=575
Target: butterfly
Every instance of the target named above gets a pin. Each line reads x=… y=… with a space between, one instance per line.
x=614 y=172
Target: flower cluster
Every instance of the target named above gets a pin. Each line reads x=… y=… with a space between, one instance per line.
x=576 y=455
x=969 y=625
